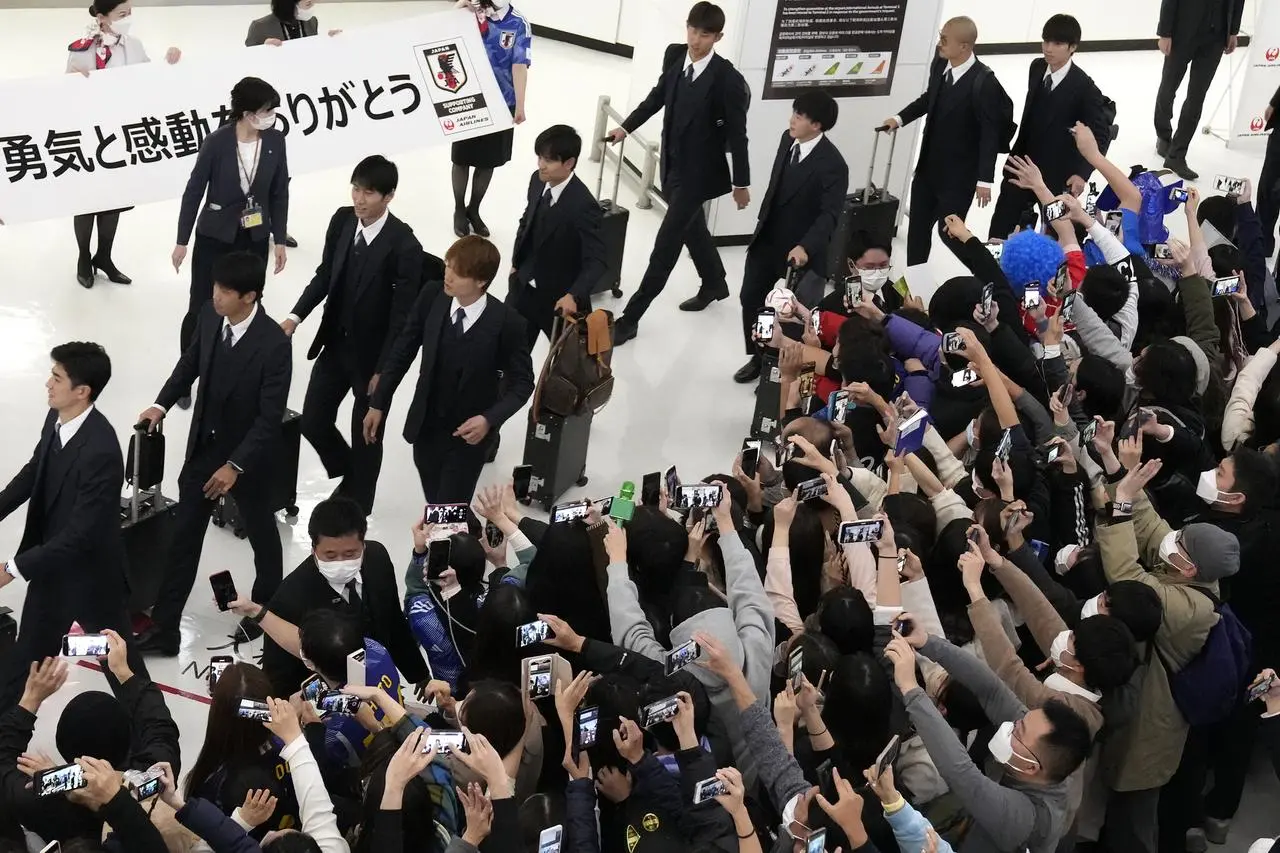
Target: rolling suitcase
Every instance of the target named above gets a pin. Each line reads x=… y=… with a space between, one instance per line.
x=555 y=447
x=764 y=421
x=282 y=479
x=146 y=518
x=872 y=209
x=613 y=230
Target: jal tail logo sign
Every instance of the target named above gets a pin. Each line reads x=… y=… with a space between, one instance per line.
x=1257 y=124
x=449 y=73
x=1273 y=53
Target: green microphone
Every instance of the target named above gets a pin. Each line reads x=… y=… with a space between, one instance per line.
x=624 y=505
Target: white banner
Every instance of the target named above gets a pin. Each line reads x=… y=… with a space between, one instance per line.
x=1261 y=79
x=74 y=144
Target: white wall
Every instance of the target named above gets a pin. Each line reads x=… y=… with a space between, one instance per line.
x=597 y=19
x=1021 y=20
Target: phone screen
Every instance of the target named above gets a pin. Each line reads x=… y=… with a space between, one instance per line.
x=1230 y=186
x=1031 y=296
x=549 y=839
x=853 y=289
x=446 y=514
x=659 y=712
x=340 y=704
x=85 y=645
x=815 y=318
x=762 y=331
x=888 y=755
x=532 y=632
x=248 y=709
x=60 y=780
x=147 y=786
x=1162 y=252
x=539 y=677
x=701 y=496
x=217 y=665
x=493 y=535
x=673 y=482
x=1055 y=210
x=952 y=342
x=1088 y=432
x=853 y=532
x=750 y=458
x=313 y=687
x=795 y=668
x=708 y=789
x=443 y=742
x=521 y=477
x=817 y=841
x=1004 y=446
x=681 y=656
x=1226 y=286
x=570 y=511
x=811 y=489
x=1257 y=691
x=438 y=554
x=996 y=250
x=651 y=487
x=1178 y=194
x=224 y=589
x=988 y=296
x=588 y=723
x=961 y=378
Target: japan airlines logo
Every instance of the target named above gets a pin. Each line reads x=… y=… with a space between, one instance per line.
x=449 y=73
x=1273 y=53
x=447 y=124
x=1257 y=124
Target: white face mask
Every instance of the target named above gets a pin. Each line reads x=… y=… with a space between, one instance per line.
x=122 y=26
x=873 y=279
x=304 y=14
x=1169 y=546
x=263 y=122
x=1131 y=378
x=1061 y=561
x=339 y=572
x=971 y=435
x=1090 y=607
x=1001 y=746
x=1207 y=487
x=1058 y=648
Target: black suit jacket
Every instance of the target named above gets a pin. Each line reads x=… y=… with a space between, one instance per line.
x=717 y=124
x=384 y=294
x=1045 y=130
x=1184 y=21
x=962 y=137
x=71 y=540
x=216 y=178
x=251 y=414
x=806 y=215
x=305 y=589
x=500 y=351
x=565 y=255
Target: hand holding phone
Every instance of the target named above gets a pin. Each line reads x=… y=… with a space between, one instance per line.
x=224 y=589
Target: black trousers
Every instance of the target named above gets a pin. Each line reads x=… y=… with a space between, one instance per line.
x=1203 y=59
x=204 y=253
x=334 y=375
x=191 y=520
x=1267 y=193
x=929 y=206
x=685 y=225
x=766 y=263
x=449 y=467
x=1010 y=205
x=536 y=305
x=1131 y=822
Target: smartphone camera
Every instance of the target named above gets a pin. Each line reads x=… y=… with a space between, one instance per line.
x=85 y=645
x=1055 y=210
x=521 y=479
x=337 y=704
x=681 y=656
x=532 y=632
x=1226 y=286
x=587 y=726
x=224 y=589
x=1031 y=295
x=762 y=331
x=708 y=789
x=659 y=712
x=1178 y=195
x=856 y=532
x=59 y=780
x=1230 y=186
x=539 y=685
x=952 y=342
x=1162 y=252
x=248 y=709
x=439 y=552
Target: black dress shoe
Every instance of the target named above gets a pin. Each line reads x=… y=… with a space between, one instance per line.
x=290 y=242
x=109 y=270
x=248 y=630
x=461 y=225
x=749 y=372
x=1162 y=147
x=703 y=298
x=477 y=224
x=157 y=641
x=184 y=403
x=84 y=272
x=1178 y=165
x=623 y=331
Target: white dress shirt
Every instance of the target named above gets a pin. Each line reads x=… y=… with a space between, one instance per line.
x=806 y=148
x=372 y=230
x=470 y=313
x=557 y=190
x=341 y=589
x=1057 y=76
x=238 y=329
x=699 y=66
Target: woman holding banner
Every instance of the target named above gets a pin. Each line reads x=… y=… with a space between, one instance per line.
x=107 y=45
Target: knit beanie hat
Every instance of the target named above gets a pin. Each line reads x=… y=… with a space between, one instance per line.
x=1215 y=552
x=94 y=724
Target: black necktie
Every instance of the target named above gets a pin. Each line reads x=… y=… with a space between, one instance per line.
x=688 y=74
x=353 y=597
x=227 y=341
x=795 y=154
x=360 y=241
x=457 y=322
x=57 y=434
x=948 y=79
x=546 y=198
x=1048 y=83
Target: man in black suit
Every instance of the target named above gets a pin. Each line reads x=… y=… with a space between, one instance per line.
x=705 y=101
x=475 y=372
x=1059 y=94
x=806 y=193
x=344 y=572
x=1269 y=180
x=368 y=278
x=71 y=553
x=243 y=361
x=1192 y=33
x=961 y=139
x=559 y=254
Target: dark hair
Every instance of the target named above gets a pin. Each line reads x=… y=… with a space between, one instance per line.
x=1220 y=212
x=1103 y=384
x=707 y=17
x=818 y=107
x=495 y=709
x=1104 y=289
x=845 y=618
x=496 y=654
x=562 y=580
x=336 y=517
x=806 y=549
x=327 y=637
x=294 y=842
x=859 y=707
x=560 y=143
x=1062 y=29
x=229 y=738
x=467 y=559
x=1067 y=744
x=861 y=242
x=1255 y=477
x=243 y=272
x=1166 y=374
x=913 y=511
x=1137 y=606
x=1106 y=650
x=251 y=95
x=285 y=10
x=1225 y=260
x=475 y=258
x=376 y=173
x=104 y=7
x=85 y=363
x=661 y=686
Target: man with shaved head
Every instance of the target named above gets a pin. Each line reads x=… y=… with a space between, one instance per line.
x=961 y=139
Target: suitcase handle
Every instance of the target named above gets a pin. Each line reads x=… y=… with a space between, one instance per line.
x=617 y=178
x=140 y=429
x=869 y=186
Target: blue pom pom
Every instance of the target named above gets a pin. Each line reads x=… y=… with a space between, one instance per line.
x=1030 y=256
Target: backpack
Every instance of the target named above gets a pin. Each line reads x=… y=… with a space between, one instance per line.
x=577 y=377
x=1004 y=105
x=1208 y=689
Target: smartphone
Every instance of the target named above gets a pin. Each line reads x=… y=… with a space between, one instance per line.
x=838 y=406
x=1260 y=688
x=250 y=709
x=708 y=789
x=313 y=687
x=1162 y=252
x=521 y=479
x=1055 y=210
x=84 y=645
x=58 y=780
x=888 y=755
x=1115 y=222
x=1068 y=306
x=961 y=378
x=586 y=725
x=988 y=296
x=996 y=249
x=811 y=489
x=902 y=566
x=815 y=320
x=144 y=784
x=570 y=510
x=355 y=668
x=549 y=839
x=659 y=712
x=816 y=841
x=1230 y=186
x=1004 y=446
x=443 y=742
x=1069 y=392
x=539 y=684
x=651 y=486
x=1226 y=286
x=493 y=535
x=795 y=669
x=750 y=458
x=1178 y=194
x=1061 y=284
x=952 y=342
x=217 y=665
x=703 y=496
x=807 y=382
x=1049 y=455
x=54 y=846
x=762 y=331
x=853 y=290
x=673 y=482
x=1031 y=295
x=338 y=704
x=532 y=632
x=445 y=514
x=1088 y=431
x=681 y=656
x=224 y=589
x=852 y=532
x=438 y=554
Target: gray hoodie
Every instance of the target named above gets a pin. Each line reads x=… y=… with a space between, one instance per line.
x=745 y=628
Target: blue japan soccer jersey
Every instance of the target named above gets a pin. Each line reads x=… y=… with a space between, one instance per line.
x=507 y=41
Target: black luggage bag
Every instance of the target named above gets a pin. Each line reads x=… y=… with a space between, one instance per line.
x=765 y=423
x=613 y=230
x=556 y=448
x=872 y=209
x=146 y=518
x=282 y=479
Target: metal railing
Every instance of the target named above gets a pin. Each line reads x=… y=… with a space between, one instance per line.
x=602 y=152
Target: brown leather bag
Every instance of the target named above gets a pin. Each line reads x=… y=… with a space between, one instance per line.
x=577 y=377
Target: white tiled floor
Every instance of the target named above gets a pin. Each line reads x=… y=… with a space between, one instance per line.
x=674 y=403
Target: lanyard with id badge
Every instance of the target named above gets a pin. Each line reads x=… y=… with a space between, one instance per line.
x=252 y=215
